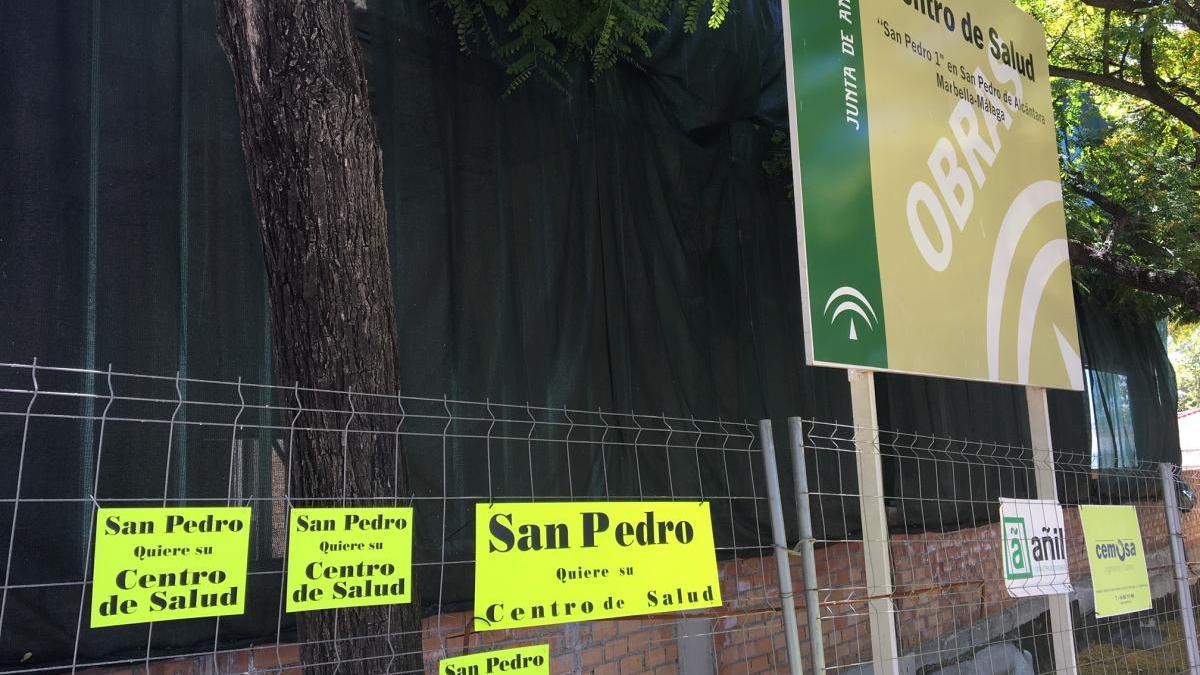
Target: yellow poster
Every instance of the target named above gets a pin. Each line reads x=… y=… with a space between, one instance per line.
x=349 y=557
x=1116 y=558
x=159 y=564
x=547 y=563
x=532 y=660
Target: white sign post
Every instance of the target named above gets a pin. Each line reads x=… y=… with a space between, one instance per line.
x=1061 y=625
x=877 y=553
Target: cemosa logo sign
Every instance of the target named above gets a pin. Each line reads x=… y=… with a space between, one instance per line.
x=1116 y=558
x=929 y=210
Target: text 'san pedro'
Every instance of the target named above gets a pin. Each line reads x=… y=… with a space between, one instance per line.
x=349 y=557
x=159 y=564
x=547 y=563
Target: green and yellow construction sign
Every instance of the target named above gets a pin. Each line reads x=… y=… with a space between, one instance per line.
x=929 y=209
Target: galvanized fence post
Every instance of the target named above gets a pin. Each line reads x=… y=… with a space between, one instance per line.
x=816 y=640
x=1179 y=558
x=779 y=535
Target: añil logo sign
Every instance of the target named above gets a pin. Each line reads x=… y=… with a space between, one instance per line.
x=1022 y=551
x=1034 y=547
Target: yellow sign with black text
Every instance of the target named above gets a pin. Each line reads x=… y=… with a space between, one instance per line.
x=159 y=564
x=532 y=660
x=349 y=557
x=1120 y=583
x=556 y=562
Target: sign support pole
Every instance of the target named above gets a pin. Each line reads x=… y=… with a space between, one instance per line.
x=876 y=546
x=1061 y=626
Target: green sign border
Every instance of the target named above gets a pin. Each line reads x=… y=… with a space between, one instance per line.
x=1008 y=572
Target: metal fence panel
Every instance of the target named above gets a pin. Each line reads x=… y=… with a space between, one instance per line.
x=154 y=441
x=78 y=439
x=952 y=611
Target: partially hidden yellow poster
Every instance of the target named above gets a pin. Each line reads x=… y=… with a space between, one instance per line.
x=1120 y=583
x=555 y=562
x=531 y=660
x=159 y=564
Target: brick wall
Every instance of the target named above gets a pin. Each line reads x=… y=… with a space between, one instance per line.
x=943 y=582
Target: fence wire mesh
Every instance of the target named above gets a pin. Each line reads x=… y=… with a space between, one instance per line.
x=77 y=440
x=949 y=604
x=85 y=439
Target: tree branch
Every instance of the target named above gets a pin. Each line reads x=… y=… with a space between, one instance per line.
x=1176 y=283
x=1188 y=14
x=1063 y=35
x=1109 y=81
x=1146 y=64
x=1104 y=47
x=1124 y=5
x=1176 y=88
x=1121 y=216
x=1107 y=204
x=1155 y=95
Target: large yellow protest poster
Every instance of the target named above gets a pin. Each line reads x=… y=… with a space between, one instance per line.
x=159 y=564
x=545 y=563
x=532 y=660
x=1120 y=583
x=349 y=557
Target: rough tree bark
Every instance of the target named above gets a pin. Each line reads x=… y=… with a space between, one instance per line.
x=315 y=170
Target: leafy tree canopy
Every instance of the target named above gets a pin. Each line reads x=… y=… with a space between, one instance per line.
x=1127 y=103
x=1128 y=113
x=1185 y=355
x=542 y=37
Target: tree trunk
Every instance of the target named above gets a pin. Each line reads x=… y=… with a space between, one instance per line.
x=315 y=170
